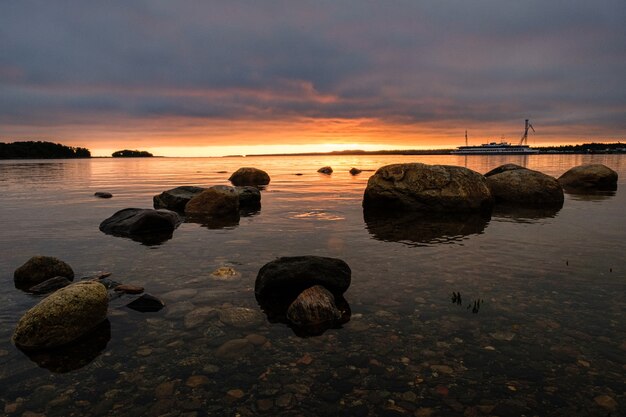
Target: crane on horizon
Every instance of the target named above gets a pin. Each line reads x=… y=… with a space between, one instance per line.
x=524 y=140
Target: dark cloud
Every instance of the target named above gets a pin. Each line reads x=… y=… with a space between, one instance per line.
x=401 y=61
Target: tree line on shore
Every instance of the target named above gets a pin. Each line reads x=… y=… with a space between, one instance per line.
x=41 y=150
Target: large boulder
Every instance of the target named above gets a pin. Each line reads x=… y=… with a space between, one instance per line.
x=219 y=200
x=144 y=225
x=427 y=188
x=63 y=316
x=39 y=269
x=177 y=198
x=513 y=184
x=249 y=176
x=589 y=177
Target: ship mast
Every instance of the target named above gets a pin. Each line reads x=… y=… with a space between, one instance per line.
x=524 y=140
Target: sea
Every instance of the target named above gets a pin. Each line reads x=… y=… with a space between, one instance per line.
x=521 y=314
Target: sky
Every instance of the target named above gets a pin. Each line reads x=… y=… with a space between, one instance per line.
x=210 y=78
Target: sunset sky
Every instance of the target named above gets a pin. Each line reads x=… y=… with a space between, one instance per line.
x=206 y=78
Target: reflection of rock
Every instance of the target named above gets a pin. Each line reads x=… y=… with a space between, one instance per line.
x=215 y=222
x=325 y=170
x=176 y=199
x=143 y=225
x=589 y=195
x=249 y=176
x=514 y=184
x=76 y=354
x=219 y=200
x=284 y=291
x=63 y=316
x=424 y=228
x=516 y=212
x=589 y=177
x=39 y=269
x=427 y=188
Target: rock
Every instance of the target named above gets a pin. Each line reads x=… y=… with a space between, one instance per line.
x=177 y=198
x=589 y=177
x=219 y=200
x=241 y=317
x=63 y=316
x=128 y=289
x=39 y=269
x=289 y=276
x=196 y=381
x=165 y=389
x=249 y=176
x=315 y=306
x=102 y=194
x=518 y=185
x=255 y=339
x=249 y=197
x=325 y=170
x=197 y=316
x=225 y=273
x=144 y=225
x=606 y=402
x=146 y=303
x=50 y=285
x=234 y=349
x=355 y=171
x=427 y=188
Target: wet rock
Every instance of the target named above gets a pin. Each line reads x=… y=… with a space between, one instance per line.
x=589 y=177
x=427 y=188
x=143 y=225
x=63 y=316
x=314 y=307
x=39 y=269
x=355 y=171
x=249 y=176
x=146 y=303
x=512 y=183
x=177 y=198
x=219 y=200
x=249 y=197
x=325 y=170
x=103 y=194
x=50 y=285
x=241 y=317
x=234 y=349
x=128 y=289
x=225 y=273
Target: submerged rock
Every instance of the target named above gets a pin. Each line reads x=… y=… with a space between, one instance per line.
x=177 y=198
x=249 y=197
x=241 y=317
x=427 y=188
x=63 y=316
x=144 y=225
x=219 y=200
x=50 y=285
x=515 y=184
x=325 y=170
x=39 y=269
x=249 y=176
x=146 y=303
x=589 y=177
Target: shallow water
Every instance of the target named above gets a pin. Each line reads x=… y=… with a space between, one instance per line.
x=539 y=330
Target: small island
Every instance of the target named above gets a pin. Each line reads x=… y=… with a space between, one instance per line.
x=131 y=154
x=41 y=150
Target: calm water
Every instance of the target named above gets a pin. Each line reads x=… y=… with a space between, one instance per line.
x=548 y=338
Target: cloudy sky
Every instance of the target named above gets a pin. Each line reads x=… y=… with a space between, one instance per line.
x=220 y=77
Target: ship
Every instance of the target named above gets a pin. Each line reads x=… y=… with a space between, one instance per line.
x=499 y=148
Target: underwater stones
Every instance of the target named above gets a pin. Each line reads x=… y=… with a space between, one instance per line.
x=513 y=184
x=241 y=317
x=589 y=177
x=249 y=176
x=313 y=306
x=325 y=170
x=144 y=225
x=177 y=198
x=63 y=316
x=427 y=188
x=39 y=269
x=50 y=285
x=219 y=200
x=234 y=349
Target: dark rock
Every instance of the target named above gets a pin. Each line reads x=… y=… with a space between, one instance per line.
x=103 y=194
x=39 y=269
x=177 y=198
x=146 y=303
x=514 y=184
x=144 y=225
x=63 y=316
x=355 y=171
x=249 y=197
x=216 y=201
x=427 y=188
x=325 y=170
x=589 y=177
x=50 y=285
x=249 y=176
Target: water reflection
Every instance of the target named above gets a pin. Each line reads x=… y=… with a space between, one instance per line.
x=422 y=228
x=590 y=195
x=215 y=222
x=76 y=355
x=524 y=214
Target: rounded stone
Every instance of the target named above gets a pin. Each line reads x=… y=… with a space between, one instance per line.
x=241 y=317
x=63 y=316
x=591 y=176
x=177 y=198
x=314 y=306
x=518 y=185
x=39 y=269
x=141 y=222
x=219 y=200
x=325 y=170
x=249 y=176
